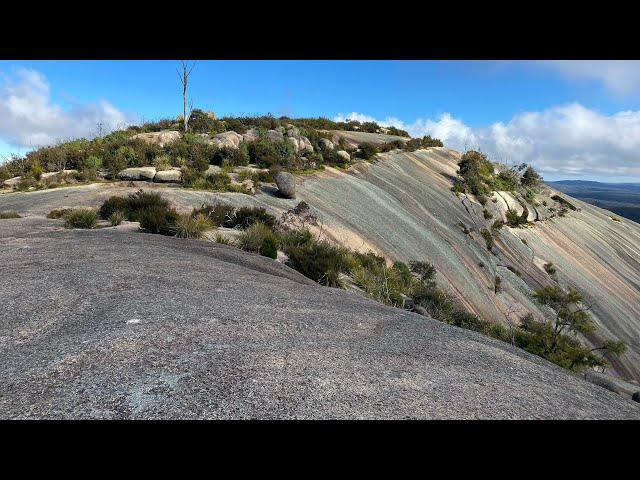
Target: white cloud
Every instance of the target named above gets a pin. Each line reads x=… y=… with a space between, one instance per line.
x=29 y=117
x=568 y=141
x=621 y=77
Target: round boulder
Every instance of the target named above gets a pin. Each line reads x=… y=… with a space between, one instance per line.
x=286 y=183
x=326 y=144
x=344 y=155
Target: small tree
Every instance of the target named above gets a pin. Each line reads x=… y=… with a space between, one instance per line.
x=570 y=317
x=530 y=178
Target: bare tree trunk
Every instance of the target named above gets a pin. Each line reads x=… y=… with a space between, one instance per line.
x=184 y=79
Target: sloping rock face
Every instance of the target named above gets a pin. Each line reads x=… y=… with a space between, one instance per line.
x=165 y=137
x=402 y=206
x=146 y=341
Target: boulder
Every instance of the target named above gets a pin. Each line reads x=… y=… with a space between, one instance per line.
x=168 y=176
x=326 y=144
x=636 y=397
x=139 y=173
x=344 y=155
x=292 y=131
x=227 y=139
x=162 y=138
x=248 y=184
x=251 y=135
x=12 y=182
x=211 y=170
x=286 y=183
x=275 y=136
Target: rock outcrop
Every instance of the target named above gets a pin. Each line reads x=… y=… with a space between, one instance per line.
x=229 y=139
x=138 y=173
x=173 y=175
x=162 y=138
x=205 y=331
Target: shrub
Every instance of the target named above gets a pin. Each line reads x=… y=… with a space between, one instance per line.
x=246 y=216
x=488 y=238
x=221 y=239
x=487 y=214
x=269 y=247
x=530 y=178
x=141 y=201
x=218 y=213
x=158 y=219
x=253 y=238
x=515 y=220
x=549 y=268
x=192 y=226
x=116 y=218
x=58 y=212
x=112 y=205
x=219 y=181
x=320 y=261
x=80 y=218
x=367 y=151
x=390 y=286
x=162 y=162
x=232 y=156
x=428 y=141
x=296 y=238
x=9 y=214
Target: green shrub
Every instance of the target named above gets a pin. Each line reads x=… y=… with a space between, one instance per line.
x=219 y=181
x=221 y=239
x=515 y=220
x=141 y=201
x=488 y=238
x=244 y=217
x=80 y=218
x=253 y=238
x=162 y=162
x=296 y=238
x=428 y=141
x=112 y=205
x=232 y=156
x=190 y=226
x=549 y=268
x=158 y=219
x=116 y=218
x=269 y=247
x=58 y=212
x=487 y=214
x=219 y=213
x=9 y=214
x=321 y=262
x=367 y=151
x=388 y=285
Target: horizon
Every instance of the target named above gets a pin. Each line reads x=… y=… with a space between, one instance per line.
x=571 y=120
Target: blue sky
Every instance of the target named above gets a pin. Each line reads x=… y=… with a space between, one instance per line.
x=558 y=115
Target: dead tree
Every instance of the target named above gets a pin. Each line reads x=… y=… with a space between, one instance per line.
x=187 y=68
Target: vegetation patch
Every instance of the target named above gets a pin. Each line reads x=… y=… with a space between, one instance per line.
x=9 y=214
x=81 y=218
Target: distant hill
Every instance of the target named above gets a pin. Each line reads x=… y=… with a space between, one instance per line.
x=620 y=198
